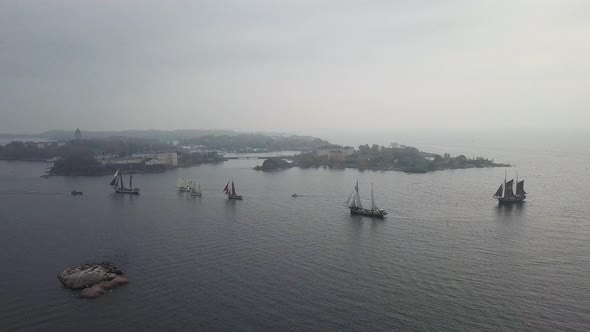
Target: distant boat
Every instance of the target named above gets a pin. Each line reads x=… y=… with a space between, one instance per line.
x=295 y=195
x=117 y=184
x=181 y=185
x=356 y=206
x=194 y=189
x=505 y=194
x=76 y=192
x=231 y=191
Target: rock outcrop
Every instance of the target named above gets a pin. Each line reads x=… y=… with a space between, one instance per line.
x=274 y=164
x=94 y=279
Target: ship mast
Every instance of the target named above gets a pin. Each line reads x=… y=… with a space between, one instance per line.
x=505 y=174
x=359 y=204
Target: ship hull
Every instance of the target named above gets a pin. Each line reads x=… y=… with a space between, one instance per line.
x=511 y=200
x=237 y=197
x=134 y=191
x=368 y=213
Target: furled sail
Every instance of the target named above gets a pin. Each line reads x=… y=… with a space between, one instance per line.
x=508 y=191
x=499 y=192
x=520 y=189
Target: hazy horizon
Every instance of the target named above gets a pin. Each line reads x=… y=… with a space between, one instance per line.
x=295 y=66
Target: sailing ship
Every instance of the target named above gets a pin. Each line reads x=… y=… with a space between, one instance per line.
x=505 y=194
x=194 y=189
x=356 y=206
x=180 y=184
x=117 y=184
x=231 y=191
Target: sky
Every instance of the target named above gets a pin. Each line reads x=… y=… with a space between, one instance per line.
x=294 y=65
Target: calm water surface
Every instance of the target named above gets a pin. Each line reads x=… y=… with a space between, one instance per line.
x=446 y=258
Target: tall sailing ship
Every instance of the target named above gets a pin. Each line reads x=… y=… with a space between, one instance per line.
x=194 y=189
x=117 y=184
x=181 y=185
x=230 y=191
x=505 y=194
x=356 y=206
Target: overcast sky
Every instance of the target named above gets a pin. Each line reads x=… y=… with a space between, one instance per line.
x=292 y=65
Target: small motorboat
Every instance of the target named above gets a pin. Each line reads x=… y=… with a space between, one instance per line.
x=294 y=195
x=76 y=192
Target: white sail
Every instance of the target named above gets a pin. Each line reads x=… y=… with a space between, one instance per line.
x=348 y=202
x=373 y=206
x=180 y=183
x=358 y=203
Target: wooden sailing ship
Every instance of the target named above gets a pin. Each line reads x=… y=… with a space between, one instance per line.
x=230 y=191
x=194 y=189
x=181 y=185
x=505 y=193
x=356 y=206
x=118 y=185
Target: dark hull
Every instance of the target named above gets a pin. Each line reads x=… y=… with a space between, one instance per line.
x=368 y=213
x=234 y=197
x=76 y=193
x=134 y=191
x=511 y=200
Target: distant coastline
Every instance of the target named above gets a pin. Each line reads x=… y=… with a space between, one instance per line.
x=103 y=156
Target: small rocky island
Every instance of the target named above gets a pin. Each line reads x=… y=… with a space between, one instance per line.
x=94 y=280
x=274 y=164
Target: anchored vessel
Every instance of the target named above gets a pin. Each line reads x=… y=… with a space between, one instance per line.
x=117 y=184
x=194 y=189
x=356 y=206
x=505 y=194
x=231 y=191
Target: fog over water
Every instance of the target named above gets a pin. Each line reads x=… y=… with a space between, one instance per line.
x=505 y=80
x=293 y=65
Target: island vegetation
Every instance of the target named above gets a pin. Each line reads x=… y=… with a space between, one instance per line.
x=256 y=143
x=104 y=156
x=395 y=157
x=101 y=156
x=274 y=164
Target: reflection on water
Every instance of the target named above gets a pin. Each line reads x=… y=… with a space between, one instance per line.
x=511 y=210
x=447 y=257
